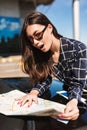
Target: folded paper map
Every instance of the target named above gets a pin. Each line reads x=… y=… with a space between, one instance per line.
x=9 y=106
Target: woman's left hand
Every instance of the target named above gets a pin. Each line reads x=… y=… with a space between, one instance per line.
x=71 y=112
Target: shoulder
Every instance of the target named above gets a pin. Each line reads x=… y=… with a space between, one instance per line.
x=72 y=44
x=72 y=47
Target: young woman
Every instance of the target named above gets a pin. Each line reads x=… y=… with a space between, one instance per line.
x=46 y=55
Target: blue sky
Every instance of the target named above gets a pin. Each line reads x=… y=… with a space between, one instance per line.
x=60 y=14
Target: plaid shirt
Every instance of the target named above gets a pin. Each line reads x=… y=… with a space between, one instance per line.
x=71 y=68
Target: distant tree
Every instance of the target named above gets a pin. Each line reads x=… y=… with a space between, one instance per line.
x=11 y=46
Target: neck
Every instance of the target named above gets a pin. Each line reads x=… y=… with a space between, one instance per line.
x=55 y=48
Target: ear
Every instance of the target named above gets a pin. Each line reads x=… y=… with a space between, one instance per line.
x=50 y=27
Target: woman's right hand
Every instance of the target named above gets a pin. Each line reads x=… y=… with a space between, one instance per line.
x=28 y=98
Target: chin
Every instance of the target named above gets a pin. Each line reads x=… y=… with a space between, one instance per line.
x=45 y=50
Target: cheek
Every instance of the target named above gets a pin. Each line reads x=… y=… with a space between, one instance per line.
x=48 y=42
x=48 y=37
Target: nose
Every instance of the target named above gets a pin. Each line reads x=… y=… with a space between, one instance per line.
x=36 y=42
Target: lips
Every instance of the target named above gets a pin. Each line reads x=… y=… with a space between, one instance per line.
x=41 y=46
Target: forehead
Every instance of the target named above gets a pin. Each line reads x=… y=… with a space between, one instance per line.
x=32 y=28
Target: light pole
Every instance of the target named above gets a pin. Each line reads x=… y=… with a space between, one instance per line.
x=76 y=19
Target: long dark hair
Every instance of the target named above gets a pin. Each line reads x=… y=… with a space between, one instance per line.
x=35 y=62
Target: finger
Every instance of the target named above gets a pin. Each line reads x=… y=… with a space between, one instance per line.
x=27 y=99
x=75 y=117
x=20 y=98
x=67 y=109
x=69 y=116
x=35 y=99
x=32 y=100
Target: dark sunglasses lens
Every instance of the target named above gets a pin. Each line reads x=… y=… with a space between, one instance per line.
x=39 y=37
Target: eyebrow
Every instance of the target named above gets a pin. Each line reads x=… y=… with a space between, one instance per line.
x=36 y=32
x=33 y=34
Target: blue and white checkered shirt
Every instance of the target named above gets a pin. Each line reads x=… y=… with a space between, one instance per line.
x=71 y=68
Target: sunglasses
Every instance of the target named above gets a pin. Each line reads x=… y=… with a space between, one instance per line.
x=37 y=36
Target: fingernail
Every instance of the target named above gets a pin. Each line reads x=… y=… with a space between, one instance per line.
x=20 y=105
x=28 y=105
x=61 y=115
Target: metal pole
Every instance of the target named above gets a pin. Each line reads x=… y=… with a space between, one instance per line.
x=76 y=19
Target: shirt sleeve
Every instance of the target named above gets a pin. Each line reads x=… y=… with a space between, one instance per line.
x=78 y=69
x=43 y=85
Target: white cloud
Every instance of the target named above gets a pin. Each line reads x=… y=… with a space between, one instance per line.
x=14 y=26
x=2 y=24
x=7 y=24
